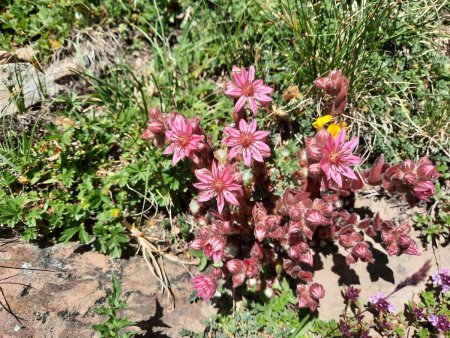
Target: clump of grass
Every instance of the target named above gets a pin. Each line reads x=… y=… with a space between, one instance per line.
x=90 y=171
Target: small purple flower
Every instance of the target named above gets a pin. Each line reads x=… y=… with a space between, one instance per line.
x=345 y=329
x=442 y=279
x=418 y=313
x=380 y=302
x=440 y=322
x=352 y=293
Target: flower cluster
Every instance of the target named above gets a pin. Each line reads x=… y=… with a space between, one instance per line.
x=308 y=296
x=379 y=301
x=440 y=322
x=185 y=137
x=413 y=179
x=429 y=316
x=256 y=239
x=441 y=279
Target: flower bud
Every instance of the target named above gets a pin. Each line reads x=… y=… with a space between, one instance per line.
x=314 y=152
x=361 y=250
x=238 y=280
x=413 y=249
x=316 y=291
x=423 y=161
x=303 y=300
x=314 y=217
x=256 y=251
x=307 y=258
x=271 y=222
x=252 y=266
x=424 y=190
x=205 y=285
x=156 y=127
x=314 y=170
x=408 y=166
x=214 y=247
x=403 y=240
x=410 y=178
x=427 y=172
x=322 y=137
x=375 y=172
x=268 y=292
x=260 y=231
x=236 y=266
x=216 y=272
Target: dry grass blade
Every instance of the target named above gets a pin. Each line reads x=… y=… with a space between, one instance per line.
x=155 y=267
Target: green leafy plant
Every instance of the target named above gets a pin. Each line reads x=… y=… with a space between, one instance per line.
x=90 y=170
x=113 y=327
x=277 y=316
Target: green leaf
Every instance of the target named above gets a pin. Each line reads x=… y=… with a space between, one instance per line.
x=68 y=234
x=203 y=259
x=83 y=235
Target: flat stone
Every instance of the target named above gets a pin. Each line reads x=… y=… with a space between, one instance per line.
x=61 y=300
x=21 y=84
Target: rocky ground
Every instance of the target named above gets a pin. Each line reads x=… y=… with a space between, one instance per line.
x=60 y=300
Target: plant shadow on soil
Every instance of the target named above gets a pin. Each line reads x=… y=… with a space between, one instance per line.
x=152 y=323
x=347 y=275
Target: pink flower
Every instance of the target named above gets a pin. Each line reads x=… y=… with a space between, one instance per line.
x=423 y=190
x=245 y=88
x=238 y=271
x=184 y=143
x=248 y=142
x=206 y=286
x=214 y=247
x=316 y=291
x=220 y=183
x=337 y=158
x=155 y=124
x=308 y=296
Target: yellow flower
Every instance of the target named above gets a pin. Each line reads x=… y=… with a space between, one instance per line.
x=322 y=121
x=334 y=129
x=116 y=213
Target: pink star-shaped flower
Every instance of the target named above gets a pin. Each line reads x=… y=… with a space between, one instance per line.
x=247 y=141
x=245 y=88
x=219 y=183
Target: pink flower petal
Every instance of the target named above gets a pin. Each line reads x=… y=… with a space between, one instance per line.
x=230 y=198
x=256 y=154
x=262 y=98
x=251 y=74
x=235 y=151
x=262 y=146
x=240 y=104
x=247 y=157
x=261 y=135
x=220 y=203
x=253 y=106
x=204 y=196
x=234 y=92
